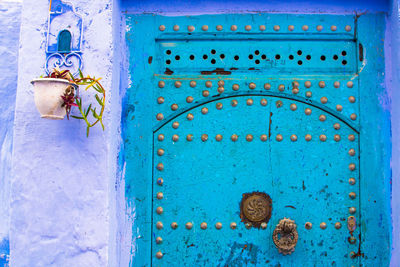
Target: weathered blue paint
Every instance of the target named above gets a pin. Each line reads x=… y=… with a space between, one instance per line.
x=307 y=180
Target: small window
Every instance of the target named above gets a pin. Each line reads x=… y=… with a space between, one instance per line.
x=64 y=41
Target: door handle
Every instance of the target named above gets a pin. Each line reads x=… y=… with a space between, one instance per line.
x=285 y=236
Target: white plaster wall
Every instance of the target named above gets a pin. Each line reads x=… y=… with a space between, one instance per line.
x=62 y=181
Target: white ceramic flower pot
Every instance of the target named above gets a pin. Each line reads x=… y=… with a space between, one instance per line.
x=47 y=94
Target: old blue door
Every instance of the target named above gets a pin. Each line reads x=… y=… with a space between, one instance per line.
x=244 y=142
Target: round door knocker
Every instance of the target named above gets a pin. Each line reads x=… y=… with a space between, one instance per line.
x=255 y=209
x=285 y=236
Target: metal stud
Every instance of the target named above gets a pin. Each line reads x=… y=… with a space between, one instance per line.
x=319 y=28
x=221 y=89
x=162 y=28
x=338 y=225
x=252 y=85
x=203 y=225
x=248 y=27
x=221 y=83
x=295 y=90
x=264 y=137
x=159 y=255
x=281 y=87
x=352 y=195
x=352 y=254
x=322 y=137
x=277 y=28
x=159 y=210
x=159 y=225
x=248 y=225
x=219 y=27
x=308 y=225
x=189 y=225
x=307 y=111
x=308 y=94
x=336 y=126
x=160 y=152
x=174 y=225
x=249 y=102
x=174 y=107
x=249 y=138
x=352 y=210
x=160 y=116
x=350 y=84
x=204 y=28
x=161 y=84
x=295 y=84
x=192 y=83
x=322 y=225
x=218 y=225
x=204 y=110
x=322 y=117
x=218 y=106
x=175 y=138
x=160 y=137
x=308 y=137
x=352 y=181
x=233 y=225
x=293 y=107
x=324 y=100
x=218 y=137
x=291 y=28
x=353 y=116
x=176 y=28
x=339 y=107
x=336 y=137
x=307 y=84
x=233 y=28
x=263 y=102
x=189 y=99
x=293 y=137
x=352 y=240
x=234 y=137
x=234 y=103
x=160 y=195
x=206 y=93
x=352 y=166
x=267 y=86
x=351 y=137
x=189 y=137
x=191 y=28
x=204 y=137
x=175 y=125
x=352 y=99
x=279 y=137
x=305 y=27
x=333 y=28
x=347 y=28
x=264 y=225
x=235 y=87
x=279 y=103
x=352 y=152
x=160 y=181
x=336 y=84
x=178 y=84
x=262 y=28
x=321 y=84
x=160 y=100
x=160 y=166
x=159 y=240
x=208 y=84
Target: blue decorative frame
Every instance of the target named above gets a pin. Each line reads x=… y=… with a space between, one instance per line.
x=62 y=16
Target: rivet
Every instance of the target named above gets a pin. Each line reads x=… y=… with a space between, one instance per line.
x=291 y=28
x=321 y=84
x=319 y=28
x=322 y=137
x=174 y=107
x=218 y=106
x=336 y=84
x=160 y=137
x=235 y=87
x=160 y=166
x=336 y=126
x=308 y=137
x=279 y=103
x=267 y=86
x=353 y=117
x=262 y=28
x=338 y=225
x=175 y=125
x=324 y=100
x=221 y=83
x=350 y=84
x=305 y=27
x=352 y=195
x=277 y=28
x=247 y=27
x=160 y=195
x=159 y=255
x=160 y=116
x=295 y=90
x=233 y=225
x=206 y=93
x=204 y=110
x=293 y=137
x=307 y=84
x=159 y=225
x=176 y=27
x=352 y=210
x=189 y=225
x=161 y=84
x=208 y=84
x=352 y=181
x=162 y=28
x=191 y=28
x=175 y=137
x=160 y=100
x=252 y=85
x=249 y=138
x=333 y=28
x=218 y=137
x=174 y=225
x=204 y=27
x=249 y=102
x=323 y=225
x=307 y=111
x=352 y=254
x=279 y=137
x=218 y=225
x=221 y=89
x=178 y=84
x=308 y=94
x=204 y=137
x=263 y=102
x=189 y=137
x=189 y=99
x=293 y=107
x=347 y=28
x=264 y=137
x=159 y=240
x=234 y=137
x=203 y=225
x=352 y=152
x=264 y=225
x=296 y=84
x=352 y=240
x=281 y=87
x=159 y=210
x=351 y=137
x=160 y=181
x=234 y=103
x=248 y=225
x=352 y=99
x=160 y=152
x=352 y=166
x=339 y=107
x=219 y=27
x=336 y=137
x=193 y=83
x=322 y=117
x=308 y=225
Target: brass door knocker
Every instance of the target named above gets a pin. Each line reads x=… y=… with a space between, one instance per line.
x=285 y=236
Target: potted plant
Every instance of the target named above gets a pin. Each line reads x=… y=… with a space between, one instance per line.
x=57 y=93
